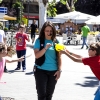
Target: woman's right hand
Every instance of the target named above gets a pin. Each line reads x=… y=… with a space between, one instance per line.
x=48 y=45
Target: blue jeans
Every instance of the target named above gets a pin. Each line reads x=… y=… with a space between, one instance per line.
x=45 y=83
x=97 y=94
x=21 y=53
x=84 y=41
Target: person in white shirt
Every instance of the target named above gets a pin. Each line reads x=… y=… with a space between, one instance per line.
x=98 y=37
x=57 y=27
x=3 y=40
x=2 y=36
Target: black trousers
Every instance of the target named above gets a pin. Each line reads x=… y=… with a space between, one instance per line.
x=5 y=69
x=32 y=35
x=21 y=53
x=45 y=83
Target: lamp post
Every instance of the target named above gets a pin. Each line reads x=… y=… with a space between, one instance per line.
x=28 y=12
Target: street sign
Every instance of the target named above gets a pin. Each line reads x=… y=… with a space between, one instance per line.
x=3 y=10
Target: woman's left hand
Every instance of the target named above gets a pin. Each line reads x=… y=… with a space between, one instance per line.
x=57 y=74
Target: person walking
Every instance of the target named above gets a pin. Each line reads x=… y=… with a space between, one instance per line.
x=93 y=61
x=85 y=30
x=33 y=30
x=21 y=38
x=47 y=68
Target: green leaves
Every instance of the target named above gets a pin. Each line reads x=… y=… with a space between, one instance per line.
x=51 y=10
x=18 y=6
x=1 y=1
x=74 y=1
x=69 y=7
x=63 y=1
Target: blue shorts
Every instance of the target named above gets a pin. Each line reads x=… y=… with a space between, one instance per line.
x=97 y=94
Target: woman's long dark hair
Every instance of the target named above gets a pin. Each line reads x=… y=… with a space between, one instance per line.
x=42 y=34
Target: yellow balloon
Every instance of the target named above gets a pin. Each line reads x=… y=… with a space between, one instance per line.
x=59 y=47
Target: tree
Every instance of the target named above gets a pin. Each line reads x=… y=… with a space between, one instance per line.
x=51 y=9
x=46 y=8
x=19 y=10
x=69 y=4
x=42 y=12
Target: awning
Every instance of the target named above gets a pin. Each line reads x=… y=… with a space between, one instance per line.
x=31 y=16
x=6 y=17
x=3 y=20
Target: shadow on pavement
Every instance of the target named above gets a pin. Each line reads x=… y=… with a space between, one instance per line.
x=90 y=82
x=30 y=46
x=13 y=71
x=29 y=73
x=26 y=73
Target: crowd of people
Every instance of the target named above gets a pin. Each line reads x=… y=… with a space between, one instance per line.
x=48 y=62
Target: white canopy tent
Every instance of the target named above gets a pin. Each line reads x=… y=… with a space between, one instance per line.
x=57 y=20
x=75 y=16
x=69 y=15
x=95 y=20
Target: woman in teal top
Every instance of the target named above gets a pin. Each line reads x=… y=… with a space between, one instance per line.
x=47 y=73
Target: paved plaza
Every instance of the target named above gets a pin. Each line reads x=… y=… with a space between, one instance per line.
x=76 y=82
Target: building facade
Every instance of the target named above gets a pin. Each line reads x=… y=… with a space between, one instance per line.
x=31 y=7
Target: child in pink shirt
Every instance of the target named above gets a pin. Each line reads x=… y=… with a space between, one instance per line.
x=4 y=52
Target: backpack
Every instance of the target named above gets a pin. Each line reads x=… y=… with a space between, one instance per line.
x=40 y=61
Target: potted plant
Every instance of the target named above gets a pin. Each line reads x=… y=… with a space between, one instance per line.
x=5 y=29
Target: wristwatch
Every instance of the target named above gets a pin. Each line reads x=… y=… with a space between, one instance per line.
x=59 y=70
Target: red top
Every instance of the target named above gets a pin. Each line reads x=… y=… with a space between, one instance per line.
x=94 y=63
x=21 y=41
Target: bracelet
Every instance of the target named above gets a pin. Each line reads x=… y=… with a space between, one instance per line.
x=70 y=53
x=59 y=71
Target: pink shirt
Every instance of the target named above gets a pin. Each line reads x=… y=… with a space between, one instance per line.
x=2 y=64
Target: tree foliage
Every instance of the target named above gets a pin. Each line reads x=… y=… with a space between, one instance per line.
x=1 y=1
x=19 y=9
x=51 y=9
x=69 y=4
x=88 y=6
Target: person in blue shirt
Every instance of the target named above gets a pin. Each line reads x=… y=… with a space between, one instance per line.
x=47 y=74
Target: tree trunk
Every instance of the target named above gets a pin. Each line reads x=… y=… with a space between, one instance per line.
x=70 y=7
x=42 y=13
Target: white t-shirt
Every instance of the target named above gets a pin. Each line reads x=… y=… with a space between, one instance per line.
x=2 y=36
x=57 y=27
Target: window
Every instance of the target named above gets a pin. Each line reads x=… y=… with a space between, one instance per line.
x=32 y=8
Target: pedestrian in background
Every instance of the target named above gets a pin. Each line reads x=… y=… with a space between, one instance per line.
x=85 y=30
x=47 y=68
x=21 y=38
x=93 y=61
x=33 y=30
